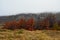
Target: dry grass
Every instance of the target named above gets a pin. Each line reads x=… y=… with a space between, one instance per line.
x=29 y=35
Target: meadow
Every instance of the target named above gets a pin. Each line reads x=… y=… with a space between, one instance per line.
x=21 y=34
x=47 y=29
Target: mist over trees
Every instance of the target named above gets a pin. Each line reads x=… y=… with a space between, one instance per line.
x=32 y=21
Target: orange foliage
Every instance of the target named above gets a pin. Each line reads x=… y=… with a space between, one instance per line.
x=21 y=23
x=30 y=24
x=10 y=25
x=14 y=24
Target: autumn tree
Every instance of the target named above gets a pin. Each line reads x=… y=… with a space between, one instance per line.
x=47 y=24
x=44 y=24
x=30 y=24
x=14 y=24
x=10 y=25
x=21 y=23
x=6 y=25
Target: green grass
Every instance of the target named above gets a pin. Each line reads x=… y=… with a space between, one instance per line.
x=20 y=31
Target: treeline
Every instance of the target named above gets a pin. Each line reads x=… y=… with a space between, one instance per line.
x=21 y=24
x=47 y=24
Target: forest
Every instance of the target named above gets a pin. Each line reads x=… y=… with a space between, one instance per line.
x=48 y=23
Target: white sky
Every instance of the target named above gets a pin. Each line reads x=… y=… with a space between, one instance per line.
x=9 y=7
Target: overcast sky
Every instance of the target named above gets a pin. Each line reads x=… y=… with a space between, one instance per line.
x=9 y=7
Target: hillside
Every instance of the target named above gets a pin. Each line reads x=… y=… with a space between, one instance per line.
x=37 y=16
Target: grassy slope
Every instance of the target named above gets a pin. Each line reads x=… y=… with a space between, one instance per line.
x=29 y=35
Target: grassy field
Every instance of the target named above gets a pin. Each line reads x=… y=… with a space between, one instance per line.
x=29 y=35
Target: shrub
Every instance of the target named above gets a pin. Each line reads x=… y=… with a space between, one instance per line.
x=14 y=24
x=30 y=24
x=21 y=23
x=56 y=26
x=10 y=25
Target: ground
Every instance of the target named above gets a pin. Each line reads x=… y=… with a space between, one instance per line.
x=22 y=34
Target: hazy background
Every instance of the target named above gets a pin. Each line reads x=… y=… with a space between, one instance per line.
x=9 y=7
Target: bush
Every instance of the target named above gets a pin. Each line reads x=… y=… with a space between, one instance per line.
x=56 y=26
x=30 y=24
x=10 y=25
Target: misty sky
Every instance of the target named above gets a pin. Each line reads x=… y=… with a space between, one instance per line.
x=9 y=7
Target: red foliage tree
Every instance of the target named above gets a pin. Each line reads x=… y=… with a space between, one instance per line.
x=47 y=24
x=30 y=24
x=14 y=24
x=10 y=25
x=7 y=25
x=21 y=23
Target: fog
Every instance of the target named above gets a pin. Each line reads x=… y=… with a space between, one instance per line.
x=12 y=7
